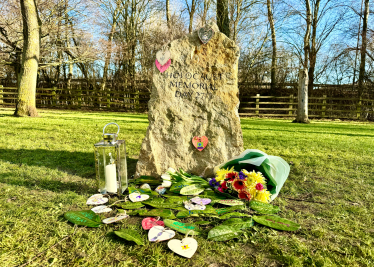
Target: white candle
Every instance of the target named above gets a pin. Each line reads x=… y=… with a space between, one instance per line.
x=111 y=178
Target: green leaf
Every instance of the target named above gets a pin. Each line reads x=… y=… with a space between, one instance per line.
x=130 y=205
x=239 y=223
x=177 y=199
x=196 y=213
x=212 y=195
x=142 y=191
x=202 y=223
x=176 y=187
x=183 y=228
x=277 y=223
x=135 y=212
x=146 y=180
x=226 y=210
x=192 y=190
x=161 y=204
x=263 y=207
x=234 y=214
x=229 y=202
x=85 y=217
x=130 y=235
x=223 y=233
x=164 y=213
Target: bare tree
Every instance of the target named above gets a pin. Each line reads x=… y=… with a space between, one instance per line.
x=363 y=49
x=302 y=108
x=26 y=105
x=223 y=22
x=274 y=46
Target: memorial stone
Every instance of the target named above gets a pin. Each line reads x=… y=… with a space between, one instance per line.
x=196 y=96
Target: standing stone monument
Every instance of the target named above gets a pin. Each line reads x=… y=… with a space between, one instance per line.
x=196 y=96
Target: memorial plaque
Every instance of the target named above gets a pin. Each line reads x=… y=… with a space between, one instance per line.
x=196 y=96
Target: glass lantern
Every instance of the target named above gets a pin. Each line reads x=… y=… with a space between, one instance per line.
x=111 y=165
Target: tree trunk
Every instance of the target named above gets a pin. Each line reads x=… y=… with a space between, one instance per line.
x=26 y=105
x=363 y=50
x=191 y=12
x=168 y=19
x=110 y=41
x=223 y=22
x=302 y=109
x=313 y=51
x=274 y=46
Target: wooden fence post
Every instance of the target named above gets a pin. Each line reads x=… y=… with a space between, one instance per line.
x=54 y=99
x=107 y=98
x=79 y=96
x=137 y=102
x=290 y=112
x=1 y=94
x=358 y=109
x=323 y=114
x=257 y=104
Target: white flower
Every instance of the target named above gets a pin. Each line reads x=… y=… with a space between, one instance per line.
x=166 y=176
x=166 y=183
x=171 y=170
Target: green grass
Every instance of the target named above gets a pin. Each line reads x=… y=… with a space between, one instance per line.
x=47 y=168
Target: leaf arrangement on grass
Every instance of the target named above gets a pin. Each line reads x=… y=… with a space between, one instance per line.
x=228 y=218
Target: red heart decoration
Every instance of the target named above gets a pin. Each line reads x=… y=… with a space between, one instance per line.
x=162 y=68
x=149 y=222
x=200 y=142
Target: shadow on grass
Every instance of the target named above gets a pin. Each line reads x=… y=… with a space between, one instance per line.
x=74 y=163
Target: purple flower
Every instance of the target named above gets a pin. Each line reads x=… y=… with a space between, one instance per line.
x=242 y=176
x=212 y=182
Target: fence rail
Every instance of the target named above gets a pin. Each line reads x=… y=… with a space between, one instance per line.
x=318 y=107
x=269 y=106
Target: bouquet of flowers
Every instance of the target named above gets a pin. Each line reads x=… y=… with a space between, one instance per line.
x=246 y=185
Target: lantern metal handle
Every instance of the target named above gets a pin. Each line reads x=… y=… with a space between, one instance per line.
x=110 y=124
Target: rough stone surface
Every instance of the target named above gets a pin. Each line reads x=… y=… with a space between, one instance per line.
x=196 y=96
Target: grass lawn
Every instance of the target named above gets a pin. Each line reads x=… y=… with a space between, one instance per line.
x=47 y=168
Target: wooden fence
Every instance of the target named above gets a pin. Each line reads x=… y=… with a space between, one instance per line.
x=318 y=107
x=81 y=99
x=267 y=106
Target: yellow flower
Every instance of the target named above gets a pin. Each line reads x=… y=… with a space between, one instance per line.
x=221 y=173
x=254 y=178
x=262 y=196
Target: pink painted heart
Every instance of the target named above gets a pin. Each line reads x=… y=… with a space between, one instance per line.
x=200 y=142
x=162 y=68
x=149 y=222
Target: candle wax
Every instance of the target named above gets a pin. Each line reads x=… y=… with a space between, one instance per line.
x=111 y=178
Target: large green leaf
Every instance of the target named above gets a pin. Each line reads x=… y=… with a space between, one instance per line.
x=163 y=213
x=148 y=192
x=277 y=223
x=130 y=205
x=223 y=233
x=233 y=214
x=213 y=195
x=176 y=187
x=84 y=217
x=239 y=223
x=229 y=209
x=263 y=207
x=208 y=212
x=130 y=235
x=202 y=222
x=230 y=202
x=183 y=228
x=177 y=199
x=161 y=204
x=146 y=180
x=192 y=190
